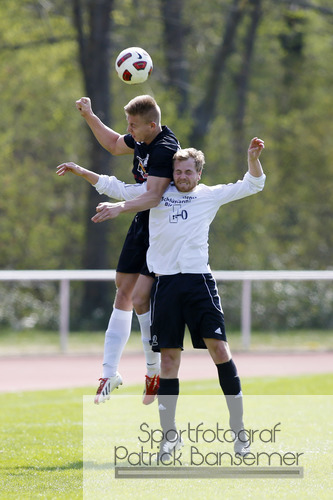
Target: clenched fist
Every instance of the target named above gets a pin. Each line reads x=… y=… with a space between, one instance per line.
x=84 y=106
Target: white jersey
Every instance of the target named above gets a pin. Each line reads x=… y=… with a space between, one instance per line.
x=179 y=225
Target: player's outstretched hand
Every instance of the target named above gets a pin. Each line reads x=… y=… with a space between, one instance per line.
x=70 y=167
x=255 y=148
x=84 y=106
x=107 y=211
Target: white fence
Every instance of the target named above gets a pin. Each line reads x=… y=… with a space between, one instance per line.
x=66 y=276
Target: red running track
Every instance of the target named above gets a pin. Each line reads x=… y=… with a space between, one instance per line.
x=22 y=373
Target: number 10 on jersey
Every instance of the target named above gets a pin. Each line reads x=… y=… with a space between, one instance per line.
x=177 y=212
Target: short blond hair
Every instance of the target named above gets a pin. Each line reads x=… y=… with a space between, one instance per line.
x=146 y=107
x=196 y=154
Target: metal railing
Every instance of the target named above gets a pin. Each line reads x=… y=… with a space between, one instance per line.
x=246 y=277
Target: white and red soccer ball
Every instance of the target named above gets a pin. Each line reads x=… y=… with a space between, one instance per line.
x=134 y=65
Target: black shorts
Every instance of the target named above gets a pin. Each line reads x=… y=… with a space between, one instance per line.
x=185 y=299
x=132 y=259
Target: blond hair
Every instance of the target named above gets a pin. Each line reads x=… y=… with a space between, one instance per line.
x=196 y=154
x=146 y=107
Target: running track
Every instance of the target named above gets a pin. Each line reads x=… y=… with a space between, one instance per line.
x=22 y=373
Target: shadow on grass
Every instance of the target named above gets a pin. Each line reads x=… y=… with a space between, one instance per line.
x=93 y=466
x=74 y=465
x=89 y=465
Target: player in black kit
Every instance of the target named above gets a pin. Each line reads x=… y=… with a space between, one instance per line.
x=153 y=146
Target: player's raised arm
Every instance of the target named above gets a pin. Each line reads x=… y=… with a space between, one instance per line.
x=75 y=169
x=108 y=138
x=253 y=153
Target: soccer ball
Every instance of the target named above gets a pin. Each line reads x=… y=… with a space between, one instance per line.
x=134 y=65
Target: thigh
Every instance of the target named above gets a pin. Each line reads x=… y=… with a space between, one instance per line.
x=167 y=320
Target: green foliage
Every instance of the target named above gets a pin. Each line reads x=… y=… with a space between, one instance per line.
x=289 y=225
x=38 y=130
x=280 y=305
x=24 y=306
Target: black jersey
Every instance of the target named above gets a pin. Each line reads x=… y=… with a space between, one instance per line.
x=155 y=158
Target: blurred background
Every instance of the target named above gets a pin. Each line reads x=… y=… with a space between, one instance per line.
x=224 y=72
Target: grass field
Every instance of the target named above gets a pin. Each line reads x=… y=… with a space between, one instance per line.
x=35 y=341
x=41 y=449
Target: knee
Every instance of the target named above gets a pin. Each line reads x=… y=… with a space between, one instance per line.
x=123 y=299
x=123 y=293
x=219 y=351
x=223 y=353
x=141 y=301
x=169 y=366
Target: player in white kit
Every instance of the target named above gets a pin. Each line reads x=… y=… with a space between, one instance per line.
x=185 y=292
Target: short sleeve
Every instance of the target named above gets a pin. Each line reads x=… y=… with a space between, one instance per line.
x=129 y=141
x=160 y=162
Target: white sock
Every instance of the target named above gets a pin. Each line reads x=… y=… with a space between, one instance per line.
x=116 y=337
x=152 y=358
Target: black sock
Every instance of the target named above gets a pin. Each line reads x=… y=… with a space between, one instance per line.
x=167 y=401
x=231 y=387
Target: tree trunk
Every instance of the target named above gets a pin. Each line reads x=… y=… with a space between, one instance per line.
x=242 y=86
x=177 y=67
x=94 y=53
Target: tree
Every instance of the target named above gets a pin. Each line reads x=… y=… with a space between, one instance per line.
x=274 y=81
x=174 y=40
x=205 y=111
x=92 y=21
x=242 y=81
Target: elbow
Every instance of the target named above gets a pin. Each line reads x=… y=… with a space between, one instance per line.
x=154 y=201
x=110 y=148
x=153 y=198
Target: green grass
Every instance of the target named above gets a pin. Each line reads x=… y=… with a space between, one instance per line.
x=41 y=437
x=34 y=341
x=302 y=385
x=303 y=432
x=41 y=450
